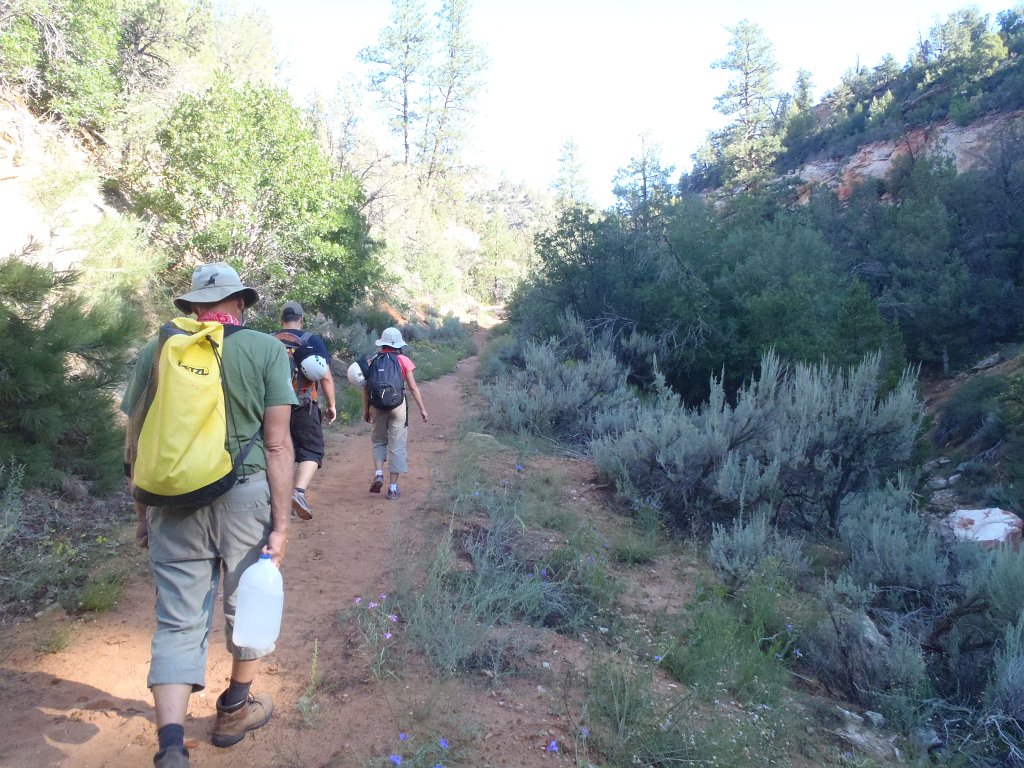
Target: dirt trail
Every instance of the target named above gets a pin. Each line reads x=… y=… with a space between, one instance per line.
x=87 y=706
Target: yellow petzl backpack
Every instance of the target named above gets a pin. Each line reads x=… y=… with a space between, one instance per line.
x=179 y=440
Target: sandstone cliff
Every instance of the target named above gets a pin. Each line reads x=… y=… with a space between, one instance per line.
x=966 y=145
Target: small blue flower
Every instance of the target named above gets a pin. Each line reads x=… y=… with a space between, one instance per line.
x=797 y=653
x=658 y=658
x=543 y=571
x=552 y=747
x=476 y=493
x=519 y=467
x=442 y=743
x=789 y=627
x=584 y=732
x=403 y=736
x=396 y=759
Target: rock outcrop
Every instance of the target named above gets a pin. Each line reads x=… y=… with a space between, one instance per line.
x=49 y=190
x=965 y=144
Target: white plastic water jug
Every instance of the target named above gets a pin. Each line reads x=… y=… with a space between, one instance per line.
x=260 y=602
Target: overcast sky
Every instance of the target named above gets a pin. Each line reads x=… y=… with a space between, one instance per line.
x=602 y=72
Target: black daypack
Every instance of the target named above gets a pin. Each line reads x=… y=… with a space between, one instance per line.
x=385 y=384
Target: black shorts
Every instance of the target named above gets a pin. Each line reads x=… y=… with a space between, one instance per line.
x=307 y=434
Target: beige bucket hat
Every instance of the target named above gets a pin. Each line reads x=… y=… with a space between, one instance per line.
x=212 y=283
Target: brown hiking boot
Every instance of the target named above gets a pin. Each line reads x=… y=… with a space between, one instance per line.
x=171 y=757
x=378 y=483
x=230 y=727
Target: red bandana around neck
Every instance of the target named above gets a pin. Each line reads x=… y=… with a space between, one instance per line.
x=220 y=317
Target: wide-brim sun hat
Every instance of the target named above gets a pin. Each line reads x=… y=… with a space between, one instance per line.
x=212 y=283
x=392 y=337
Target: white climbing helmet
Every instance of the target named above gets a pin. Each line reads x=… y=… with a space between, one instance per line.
x=314 y=367
x=355 y=375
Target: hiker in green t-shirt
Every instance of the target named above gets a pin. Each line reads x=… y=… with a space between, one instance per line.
x=192 y=549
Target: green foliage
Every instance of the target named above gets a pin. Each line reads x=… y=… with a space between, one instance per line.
x=376 y=620
x=243 y=179
x=65 y=55
x=750 y=547
x=972 y=413
x=631 y=725
x=11 y=476
x=742 y=647
x=427 y=79
x=56 y=398
x=554 y=394
x=101 y=593
x=310 y=700
x=800 y=438
x=750 y=142
x=892 y=548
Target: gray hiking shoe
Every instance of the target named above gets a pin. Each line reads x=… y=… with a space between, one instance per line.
x=393 y=493
x=171 y=757
x=378 y=483
x=300 y=506
x=230 y=727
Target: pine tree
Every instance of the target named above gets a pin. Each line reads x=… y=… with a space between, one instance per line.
x=751 y=142
x=59 y=363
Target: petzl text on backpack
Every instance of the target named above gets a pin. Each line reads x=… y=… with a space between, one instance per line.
x=385 y=384
x=180 y=454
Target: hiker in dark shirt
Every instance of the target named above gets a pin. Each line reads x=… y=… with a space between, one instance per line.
x=307 y=421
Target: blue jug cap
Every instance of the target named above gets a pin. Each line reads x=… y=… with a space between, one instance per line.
x=264 y=556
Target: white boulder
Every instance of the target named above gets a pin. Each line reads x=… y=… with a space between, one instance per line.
x=988 y=527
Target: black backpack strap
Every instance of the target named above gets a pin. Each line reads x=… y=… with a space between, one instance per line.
x=239 y=462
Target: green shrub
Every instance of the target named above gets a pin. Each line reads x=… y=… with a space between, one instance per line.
x=11 y=476
x=630 y=725
x=65 y=54
x=501 y=353
x=800 y=438
x=554 y=395
x=57 y=408
x=101 y=593
x=893 y=548
x=433 y=360
x=349 y=401
x=740 y=645
x=972 y=413
x=742 y=551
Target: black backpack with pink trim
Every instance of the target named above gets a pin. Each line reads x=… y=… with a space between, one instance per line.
x=385 y=384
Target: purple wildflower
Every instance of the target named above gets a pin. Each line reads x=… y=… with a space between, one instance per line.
x=393 y=618
x=552 y=747
x=359 y=600
x=387 y=635
x=403 y=736
x=396 y=759
x=373 y=605
x=442 y=743
x=584 y=732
